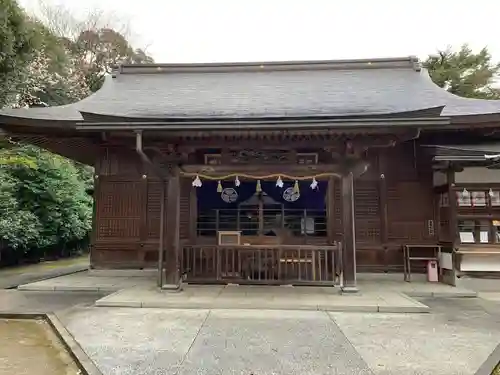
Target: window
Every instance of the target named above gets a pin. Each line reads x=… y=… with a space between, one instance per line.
x=474 y=231
x=464 y=199
x=478 y=198
x=496 y=230
x=494 y=198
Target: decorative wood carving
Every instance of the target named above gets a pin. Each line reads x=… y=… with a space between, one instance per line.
x=248 y=156
x=307 y=158
x=213 y=159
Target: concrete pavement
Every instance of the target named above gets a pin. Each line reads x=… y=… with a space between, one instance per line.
x=455 y=338
x=264 y=298
x=20 y=302
x=13 y=276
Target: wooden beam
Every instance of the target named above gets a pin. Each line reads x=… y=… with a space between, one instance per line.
x=262 y=169
x=349 y=238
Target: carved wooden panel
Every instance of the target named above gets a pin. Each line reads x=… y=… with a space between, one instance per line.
x=308 y=158
x=259 y=156
x=213 y=159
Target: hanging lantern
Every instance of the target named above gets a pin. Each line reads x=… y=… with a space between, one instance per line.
x=258 y=188
x=465 y=192
x=237 y=182
x=491 y=193
x=314 y=183
x=219 y=187
x=197 y=182
x=279 y=182
x=296 y=188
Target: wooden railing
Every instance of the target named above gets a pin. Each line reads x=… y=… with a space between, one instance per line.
x=262 y=264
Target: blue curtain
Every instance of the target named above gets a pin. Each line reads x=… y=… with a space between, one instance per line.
x=306 y=199
x=231 y=196
x=209 y=198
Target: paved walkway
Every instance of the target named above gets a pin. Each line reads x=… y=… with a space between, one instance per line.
x=21 y=302
x=455 y=338
x=379 y=293
x=85 y=281
x=264 y=297
x=13 y=276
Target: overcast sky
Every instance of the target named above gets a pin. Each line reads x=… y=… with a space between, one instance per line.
x=263 y=30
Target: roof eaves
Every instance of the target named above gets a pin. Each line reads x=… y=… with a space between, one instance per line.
x=270 y=124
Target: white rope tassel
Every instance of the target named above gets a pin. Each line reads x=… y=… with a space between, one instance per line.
x=197 y=182
x=314 y=183
x=279 y=182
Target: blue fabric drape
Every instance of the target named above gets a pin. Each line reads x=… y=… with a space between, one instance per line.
x=209 y=198
x=307 y=197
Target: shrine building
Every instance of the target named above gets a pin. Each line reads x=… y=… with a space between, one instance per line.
x=301 y=172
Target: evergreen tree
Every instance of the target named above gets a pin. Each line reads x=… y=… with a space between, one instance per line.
x=465 y=73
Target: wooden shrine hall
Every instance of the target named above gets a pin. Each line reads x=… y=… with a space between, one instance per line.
x=302 y=172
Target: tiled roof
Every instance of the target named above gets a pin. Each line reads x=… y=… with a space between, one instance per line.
x=263 y=90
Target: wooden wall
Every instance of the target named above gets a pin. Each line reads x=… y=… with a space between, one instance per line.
x=390 y=210
x=394 y=205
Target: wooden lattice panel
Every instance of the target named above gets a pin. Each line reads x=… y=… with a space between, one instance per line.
x=119 y=209
x=154 y=209
x=185 y=213
x=367 y=211
x=337 y=211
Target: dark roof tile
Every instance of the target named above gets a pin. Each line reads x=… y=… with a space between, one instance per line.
x=258 y=90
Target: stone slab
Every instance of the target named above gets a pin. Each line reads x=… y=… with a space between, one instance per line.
x=271 y=342
x=270 y=299
x=83 y=281
x=153 y=341
x=127 y=342
x=440 y=343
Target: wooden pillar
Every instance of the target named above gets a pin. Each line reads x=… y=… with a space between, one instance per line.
x=95 y=221
x=453 y=206
x=161 y=241
x=349 y=237
x=172 y=234
x=330 y=210
x=384 y=222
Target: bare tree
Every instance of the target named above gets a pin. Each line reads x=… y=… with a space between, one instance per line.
x=97 y=40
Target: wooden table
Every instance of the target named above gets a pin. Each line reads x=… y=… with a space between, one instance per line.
x=407 y=258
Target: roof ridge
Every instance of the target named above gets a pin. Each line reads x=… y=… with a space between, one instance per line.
x=408 y=62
